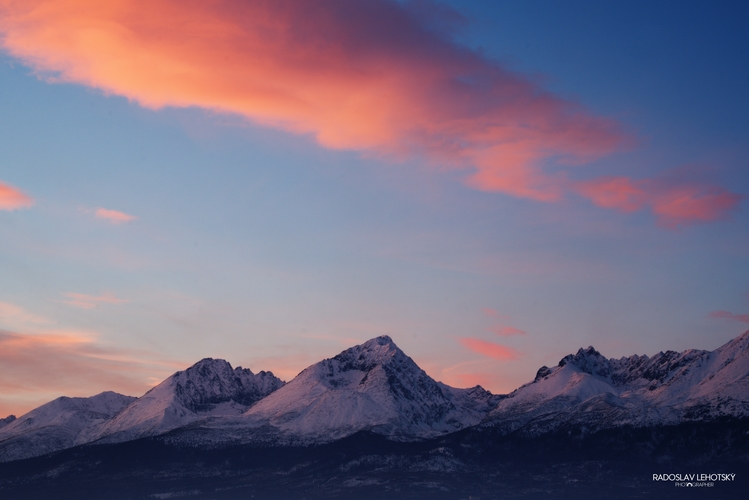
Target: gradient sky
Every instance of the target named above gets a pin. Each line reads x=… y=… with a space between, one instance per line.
x=492 y=184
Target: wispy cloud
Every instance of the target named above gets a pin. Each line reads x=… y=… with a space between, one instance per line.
x=12 y=198
x=71 y=363
x=502 y=329
x=506 y=331
x=14 y=316
x=381 y=77
x=41 y=361
x=113 y=216
x=741 y=318
x=492 y=313
x=91 y=301
x=490 y=349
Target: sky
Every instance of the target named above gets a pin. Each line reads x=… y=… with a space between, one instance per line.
x=492 y=184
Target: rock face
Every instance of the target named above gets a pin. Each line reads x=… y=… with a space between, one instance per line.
x=59 y=424
x=7 y=420
x=373 y=386
x=208 y=388
x=588 y=389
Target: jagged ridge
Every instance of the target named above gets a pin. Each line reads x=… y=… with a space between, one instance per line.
x=588 y=389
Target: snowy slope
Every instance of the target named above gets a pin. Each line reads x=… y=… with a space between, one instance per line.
x=373 y=386
x=587 y=388
x=208 y=388
x=59 y=424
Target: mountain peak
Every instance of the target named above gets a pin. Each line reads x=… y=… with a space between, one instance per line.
x=377 y=351
x=381 y=340
x=209 y=387
x=7 y=420
x=588 y=360
x=208 y=365
x=372 y=386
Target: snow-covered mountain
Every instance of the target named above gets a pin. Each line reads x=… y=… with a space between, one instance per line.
x=208 y=388
x=378 y=388
x=587 y=388
x=59 y=424
x=373 y=386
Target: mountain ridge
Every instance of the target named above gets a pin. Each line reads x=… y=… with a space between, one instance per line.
x=375 y=387
x=587 y=388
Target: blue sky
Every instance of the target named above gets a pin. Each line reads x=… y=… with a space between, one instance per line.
x=259 y=242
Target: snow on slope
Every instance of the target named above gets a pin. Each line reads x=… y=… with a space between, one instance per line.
x=587 y=388
x=59 y=424
x=208 y=388
x=373 y=386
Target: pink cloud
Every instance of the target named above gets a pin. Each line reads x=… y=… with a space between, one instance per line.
x=742 y=318
x=91 y=301
x=506 y=331
x=490 y=349
x=493 y=313
x=113 y=216
x=12 y=198
x=673 y=200
x=375 y=77
x=473 y=379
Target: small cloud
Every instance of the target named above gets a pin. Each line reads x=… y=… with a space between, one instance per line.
x=90 y=301
x=113 y=216
x=741 y=318
x=492 y=313
x=490 y=349
x=12 y=198
x=506 y=331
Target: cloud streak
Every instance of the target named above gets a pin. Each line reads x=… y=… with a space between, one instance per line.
x=490 y=349
x=42 y=366
x=84 y=301
x=741 y=318
x=507 y=331
x=113 y=216
x=17 y=316
x=12 y=198
x=41 y=361
x=381 y=77
x=674 y=202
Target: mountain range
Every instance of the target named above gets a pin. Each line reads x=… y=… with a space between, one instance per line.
x=375 y=387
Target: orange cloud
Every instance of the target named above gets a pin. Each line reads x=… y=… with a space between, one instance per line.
x=376 y=77
x=12 y=198
x=743 y=318
x=506 y=331
x=490 y=349
x=91 y=301
x=42 y=366
x=113 y=216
